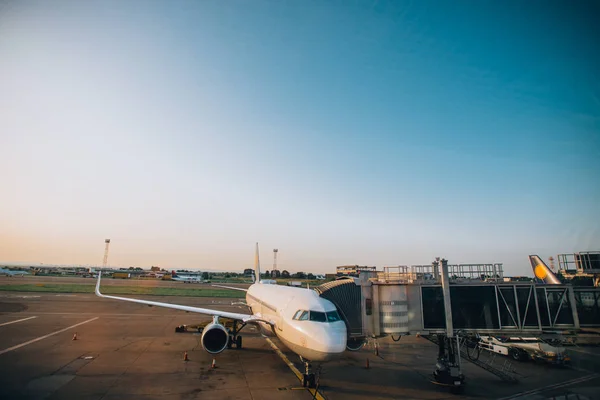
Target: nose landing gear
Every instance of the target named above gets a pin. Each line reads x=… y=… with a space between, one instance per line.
x=310 y=379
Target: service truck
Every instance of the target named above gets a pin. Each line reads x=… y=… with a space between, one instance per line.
x=524 y=348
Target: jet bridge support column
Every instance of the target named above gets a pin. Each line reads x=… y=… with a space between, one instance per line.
x=448 y=369
x=447 y=301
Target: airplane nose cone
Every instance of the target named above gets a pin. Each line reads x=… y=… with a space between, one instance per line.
x=334 y=338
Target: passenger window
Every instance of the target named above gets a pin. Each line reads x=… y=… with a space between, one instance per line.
x=297 y=315
x=304 y=316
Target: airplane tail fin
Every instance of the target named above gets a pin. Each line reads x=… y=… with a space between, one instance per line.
x=256 y=266
x=542 y=272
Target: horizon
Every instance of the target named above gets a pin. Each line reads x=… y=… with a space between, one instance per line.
x=364 y=133
x=527 y=269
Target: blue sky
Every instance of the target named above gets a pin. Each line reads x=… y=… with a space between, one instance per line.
x=373 y=133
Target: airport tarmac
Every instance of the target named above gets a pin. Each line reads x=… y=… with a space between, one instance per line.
x=130 y=351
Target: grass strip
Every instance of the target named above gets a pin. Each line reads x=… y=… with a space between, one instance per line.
x=132 y=290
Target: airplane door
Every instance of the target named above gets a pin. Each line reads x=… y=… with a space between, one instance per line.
x=280 y=312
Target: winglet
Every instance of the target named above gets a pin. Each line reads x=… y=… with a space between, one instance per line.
x=542 y=272
x=98 y=285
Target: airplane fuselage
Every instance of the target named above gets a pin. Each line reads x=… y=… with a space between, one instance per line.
x=306 y=323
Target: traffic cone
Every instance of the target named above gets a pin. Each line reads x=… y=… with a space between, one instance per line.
x=367 y=367
x=75 y=336
x=185 y=357
x=214 y=363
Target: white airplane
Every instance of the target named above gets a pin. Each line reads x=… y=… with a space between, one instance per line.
x=307 y=324
x=186 y=278
x=8 y=272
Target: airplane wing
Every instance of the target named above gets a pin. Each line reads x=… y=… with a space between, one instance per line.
x=231 y=287
x=237 y=316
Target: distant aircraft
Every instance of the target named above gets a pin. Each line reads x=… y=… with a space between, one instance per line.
x=306 y=323
x=8 y=272
x=542 y=272
x=186 y=278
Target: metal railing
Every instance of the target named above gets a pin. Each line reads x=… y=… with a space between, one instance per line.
x=458 y=273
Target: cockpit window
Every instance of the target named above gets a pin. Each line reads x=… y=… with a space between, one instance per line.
x=317 y=316
x=333 y=316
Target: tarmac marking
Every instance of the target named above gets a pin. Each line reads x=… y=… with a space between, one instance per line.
x=45 y=336
x=555 y=386
x=316 y=395
x=19 y=320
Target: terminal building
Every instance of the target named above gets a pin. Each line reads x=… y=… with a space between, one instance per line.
x=585 y=264
x=353 y=270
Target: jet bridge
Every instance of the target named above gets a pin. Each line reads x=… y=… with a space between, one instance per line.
x=450 y=304
x=410 y=300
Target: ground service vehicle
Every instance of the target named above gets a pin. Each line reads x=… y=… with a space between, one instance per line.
x=524 y=348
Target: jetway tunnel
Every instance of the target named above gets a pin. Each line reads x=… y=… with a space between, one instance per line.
x=373 y=308
x=455 y=311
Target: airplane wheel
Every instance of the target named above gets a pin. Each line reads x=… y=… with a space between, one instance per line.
x=230 y=342
x=304 y=380
x=238 y=342
x=311 y=381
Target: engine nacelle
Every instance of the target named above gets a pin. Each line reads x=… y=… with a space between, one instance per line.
x=214 y=338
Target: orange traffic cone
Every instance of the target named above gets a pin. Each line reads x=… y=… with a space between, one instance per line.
x=75 y=336
x=214 y=363
x=367 y=367
x=185 y=357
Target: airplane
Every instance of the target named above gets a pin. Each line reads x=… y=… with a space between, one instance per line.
x=542 y=272
x=8 y=272
x=186 y=278
x=304 y=322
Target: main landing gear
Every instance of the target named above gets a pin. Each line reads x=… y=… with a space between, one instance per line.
x=309 y=378
x=234 y=337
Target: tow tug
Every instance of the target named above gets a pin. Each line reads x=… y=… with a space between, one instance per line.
x=525 y=348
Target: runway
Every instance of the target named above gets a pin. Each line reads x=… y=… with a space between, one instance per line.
x=129 y=351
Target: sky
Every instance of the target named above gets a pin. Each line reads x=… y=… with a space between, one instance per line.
x=340 y=132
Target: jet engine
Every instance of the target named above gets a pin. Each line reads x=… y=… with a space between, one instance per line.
x=214 y=338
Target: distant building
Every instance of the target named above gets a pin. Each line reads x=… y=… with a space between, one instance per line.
x=353 y=270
